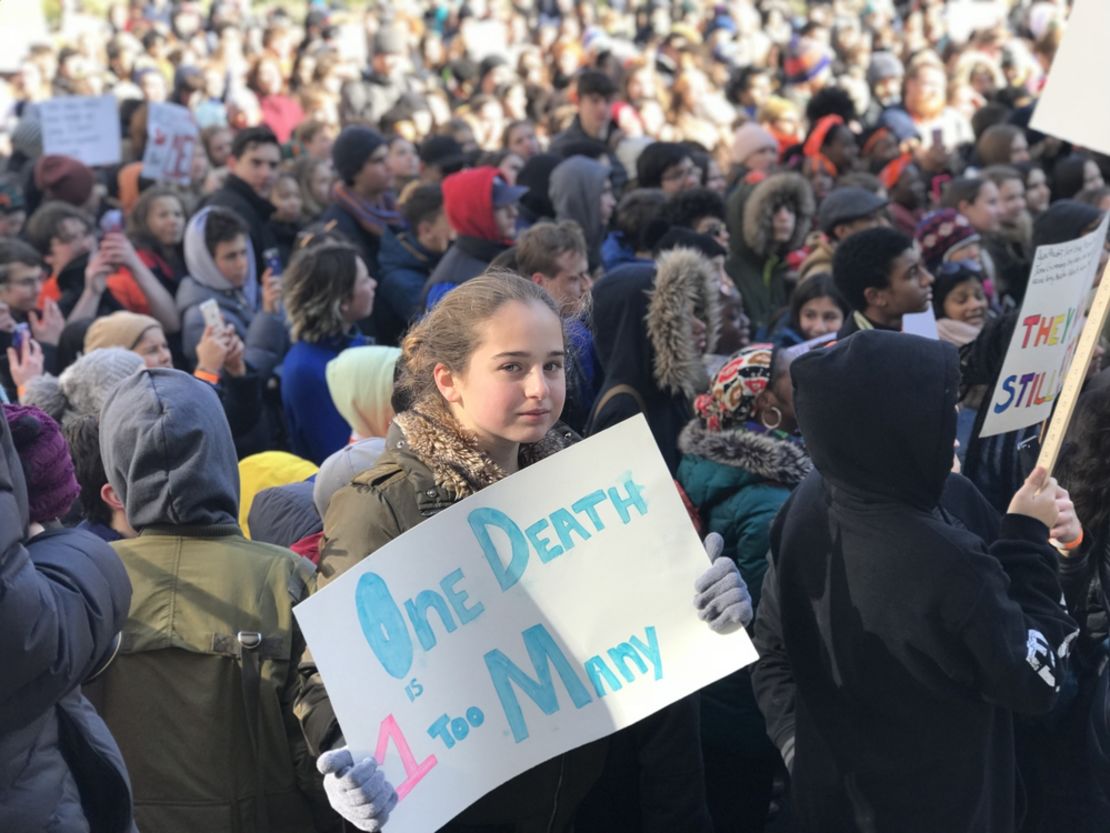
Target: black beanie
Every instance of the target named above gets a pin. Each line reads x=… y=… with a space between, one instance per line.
x=352 y=148
x=654 y=161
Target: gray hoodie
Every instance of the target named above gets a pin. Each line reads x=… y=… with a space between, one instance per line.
x=168 y=452
x=575 y=191
x=264 y=335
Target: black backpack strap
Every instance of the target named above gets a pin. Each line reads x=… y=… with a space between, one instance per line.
x=612 y=393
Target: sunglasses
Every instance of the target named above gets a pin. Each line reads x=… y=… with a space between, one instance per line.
x=955 y=267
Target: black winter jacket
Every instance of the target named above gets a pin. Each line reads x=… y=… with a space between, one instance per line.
x=911 y=641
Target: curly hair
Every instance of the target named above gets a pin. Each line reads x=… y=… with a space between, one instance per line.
x=316 y=283
x=1085 y=461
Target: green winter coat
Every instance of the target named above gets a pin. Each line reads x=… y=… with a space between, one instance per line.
x=738 y=479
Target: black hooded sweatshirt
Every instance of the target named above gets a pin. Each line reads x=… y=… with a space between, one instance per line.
x=911 y=641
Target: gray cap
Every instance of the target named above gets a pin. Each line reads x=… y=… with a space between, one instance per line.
x=846 y=204
x=884 y=65
x=342 y=467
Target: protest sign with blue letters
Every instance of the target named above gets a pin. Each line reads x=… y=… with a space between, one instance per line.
x=544 y=612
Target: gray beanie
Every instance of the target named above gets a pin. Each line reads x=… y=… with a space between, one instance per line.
x=27 y=135
x=84 y=385
x=342 y=467
x=884 y=65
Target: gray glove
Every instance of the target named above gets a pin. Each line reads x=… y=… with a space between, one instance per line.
x=722 y=596
x=358 y=792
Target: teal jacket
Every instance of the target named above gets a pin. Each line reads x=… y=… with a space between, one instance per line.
x=738 y=479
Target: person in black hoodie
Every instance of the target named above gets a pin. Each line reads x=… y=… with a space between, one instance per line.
x=252 y=173
x=910 y=641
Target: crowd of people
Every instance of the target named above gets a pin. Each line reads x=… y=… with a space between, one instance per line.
x=220 y=396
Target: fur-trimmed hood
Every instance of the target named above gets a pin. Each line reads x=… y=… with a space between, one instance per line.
x=453 y=458
x=781 y=189
x=685 y=285
x=762 y=455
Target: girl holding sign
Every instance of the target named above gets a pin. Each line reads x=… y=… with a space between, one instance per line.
x=483 y=384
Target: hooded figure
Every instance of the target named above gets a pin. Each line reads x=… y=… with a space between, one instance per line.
x=360 y=381
x=757 y=262
x=536 y=177
x=66 y=597
x=469 y=199
x=225 y=657
x=263 y=334
x=646 y=344
x=911 y=642
x=576 y=187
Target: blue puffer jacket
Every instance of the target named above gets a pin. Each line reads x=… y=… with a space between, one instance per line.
x=63 y=601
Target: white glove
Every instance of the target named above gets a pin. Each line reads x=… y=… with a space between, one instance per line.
x=722 y=596
x=358 y=792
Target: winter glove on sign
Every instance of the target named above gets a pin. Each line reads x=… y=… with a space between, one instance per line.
x=358 y=792
x=722 y=596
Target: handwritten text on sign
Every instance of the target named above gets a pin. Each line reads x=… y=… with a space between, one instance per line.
x=1047 y=331
x=170 y=143
x=544 y=612
x=85 y=128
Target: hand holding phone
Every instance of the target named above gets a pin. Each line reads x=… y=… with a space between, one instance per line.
x=213 y=318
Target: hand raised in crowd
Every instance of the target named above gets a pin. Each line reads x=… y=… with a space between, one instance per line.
x=722 y=599
x=271 y=292
x=1037 y=498
x=26 y=363
x=212 y=350
x=234 y=362
x=101 y=265
x=358 y=792
x=48 y=324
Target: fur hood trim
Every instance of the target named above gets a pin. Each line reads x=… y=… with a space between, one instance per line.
x=765 y=456
x=457 y=465
x=775 y=191
x=685 y=285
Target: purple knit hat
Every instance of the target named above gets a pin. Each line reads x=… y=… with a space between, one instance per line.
x=47 y=466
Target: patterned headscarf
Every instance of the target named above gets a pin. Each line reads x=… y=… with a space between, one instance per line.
x=730 y=401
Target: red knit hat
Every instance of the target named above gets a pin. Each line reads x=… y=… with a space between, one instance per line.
x=64 y=178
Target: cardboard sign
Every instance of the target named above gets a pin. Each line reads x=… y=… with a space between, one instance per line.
x=171 y=140
x=1066 y=108
x=1053 y=438
x=86 y=128
x=544 y=612
x=1046 y=334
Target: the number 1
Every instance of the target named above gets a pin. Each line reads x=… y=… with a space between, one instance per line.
x=414 y=772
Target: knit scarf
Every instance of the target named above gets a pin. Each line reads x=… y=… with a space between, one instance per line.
x=374 y=219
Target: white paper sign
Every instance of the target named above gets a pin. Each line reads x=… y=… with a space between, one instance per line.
x=86 y=128
x=171 y=140
x=1070 y=108
x=922 y=324
x=544 y=612
x=1046 y=334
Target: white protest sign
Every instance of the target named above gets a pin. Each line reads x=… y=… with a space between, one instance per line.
x=963 y=17
x=171 y=140
x=544 y=612
x=1046 y=334
x=86 y=128
x=922 y=324
x=24 y=26
x=1066 y=108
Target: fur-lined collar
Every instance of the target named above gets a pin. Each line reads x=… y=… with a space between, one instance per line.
x=685 y=285
x=780 y=461
x=457 y=465
x=781 y=189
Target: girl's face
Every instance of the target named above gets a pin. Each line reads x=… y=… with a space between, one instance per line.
x=983 y=213
x=1092 y=176
x=1037 y=193
x=1011 y=200
x=819 y=317
x=320 y=183
x=286 y=198
x=967 y=303
x=153 y=349
x=782 y=223
x=1019 y=149
x=505 y=217
x=166 y=221
x=513 y=387
x=402 y=160
x=361 y=302
x=219 y=148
